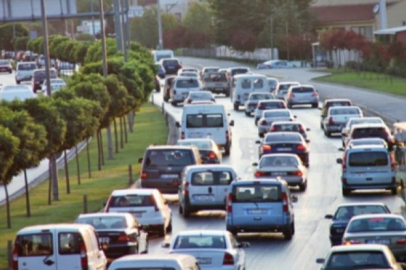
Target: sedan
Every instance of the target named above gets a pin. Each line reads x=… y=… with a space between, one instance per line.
x=213 y=249
x=287 y=126
x=189 y=74
x=359 y=257
x=285 y=142
x=287 y=166
x=383 y=229
x=302 y=95
x=267 y=105
x=345 y=212
x=5 y=66
x=200 y=96
x=188 y=70
x=366 y=141
x=208 y=149
x=356 y=121
x=120 y=231
x=253 y=99
x=270 y=116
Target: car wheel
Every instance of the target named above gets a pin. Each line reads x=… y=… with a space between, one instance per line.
x=162 y=231
x=236 y=107
x=303 y=186
x=166 y=99
x=327 y=133
x=256 y=121
x=293 y=228
x=288 y=232
x=394 y=191
x=18 y=82
x=227 y=150
x=247 y=113
x=169 y=229
x=185 y=212
x=315 y=105
x=346 y=192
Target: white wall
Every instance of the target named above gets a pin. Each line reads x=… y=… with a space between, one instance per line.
x=259 y=54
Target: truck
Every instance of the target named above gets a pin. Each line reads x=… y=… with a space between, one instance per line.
x=216 y=82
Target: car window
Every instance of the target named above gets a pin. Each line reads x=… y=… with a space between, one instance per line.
x=337 y=104
x=376 y=224
x=103 y=222
x=347 y=212
x=278 y=161
x=38 y=244
x=368 y=158
x=41 y=74
x=257 y=193
x=133 y=200
x=287 y=127
x=169 y=157
x=187 y=83
x=302 y=90
x=201 y=145
x=379 y=132
x=23 y=67
x=204 y=121
x=271 y=105
x=358 y=259
x=275 y=137
x=357 y=121
x=69 y=243
x=246 y=84
x=209 y=178
x=258 y=84
x=276 y=114
x=200 y=241
x=239 y=71
x=4 y=63
x=170 y=62
x=260 y=97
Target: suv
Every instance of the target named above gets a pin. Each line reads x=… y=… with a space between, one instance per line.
x=368 y=167
x=328 y=103
x=39 y=76
x=204 y=188
x=162 y=166
x=362 y=131
x=24 y=71
x=171 y=65
x=260 y=206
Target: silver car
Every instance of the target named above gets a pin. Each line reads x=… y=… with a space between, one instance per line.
x=200 y=96
x=282 y=88
x=302 y=95
x=272 y=83
x=356 y=121
x=287 y=166
x=270 y=116
x=267 y=105
x=364 y=142
x=253 y=99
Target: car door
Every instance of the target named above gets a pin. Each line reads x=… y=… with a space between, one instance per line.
x=223 y=179
x=68 y=245
x=202 y=188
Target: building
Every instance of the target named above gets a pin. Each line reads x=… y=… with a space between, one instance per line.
x=360 y=16
x=393 y=34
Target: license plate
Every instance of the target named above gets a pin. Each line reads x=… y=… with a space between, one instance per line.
x=279 y=173
x=204 y=198
x=284 y=149
x=378 y=241
x=204 y=260
x=104 y=240
x=257 y=211
x=360 y=175
x=169 y=176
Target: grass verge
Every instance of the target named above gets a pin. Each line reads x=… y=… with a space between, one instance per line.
x=149 y=128
x=368 y=80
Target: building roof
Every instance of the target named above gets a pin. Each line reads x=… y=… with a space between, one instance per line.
x=390 y=31
x=345 y=13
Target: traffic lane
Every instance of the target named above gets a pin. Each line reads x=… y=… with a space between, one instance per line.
x=7 y=78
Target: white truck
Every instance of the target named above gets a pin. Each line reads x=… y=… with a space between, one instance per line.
x=216 y=82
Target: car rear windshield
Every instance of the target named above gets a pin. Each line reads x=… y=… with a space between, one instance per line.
x=376 y=224
x=246 y=84
x=271 y=105
x=279 y=161
x=187 y=83
x=132 y=201
x=257 y=193
x=302 y=90
x=379 y=132
x=37 y=244
x=239 y=71
x=260 y=96
x=368 y=158
x=23 y=67
x=287 y=127
x=169 y=157
x=162 y=56
x=358 y=260
x=357 y=121
x=347 y=212
x=211 y=178
x=103 y=222
x=258 y=83
x=337 y=104
x=200 y=241
x=171 y=62
x=215 y=77
x=354 y=111
x=209 y=70
x=282 y=138
x=69 y=243
x=276 y=114
x=204 y=120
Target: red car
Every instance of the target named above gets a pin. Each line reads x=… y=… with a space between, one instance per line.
x=5 y=66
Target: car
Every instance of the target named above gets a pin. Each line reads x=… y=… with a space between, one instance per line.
x=366 y=141
x=148 y=206
x=302 y=95
x=167 y=87
x=231 y=72
x=29 y=56
x=383 y=229
x=356 y=121
x=41 y=61
x=204 y=188
x=274 y=64
x=285 y=142
x=16 y=87
x=39 y=75
x=188 y=74
x=244 y=85
x=155 y=261
x=208 y=149
x=182 y=86
x=267 y=105
x=24 y=71
x=56 y=83
x=359 y=257
x=20 y=94
x=345 y=212
x=120 y=231
x=157 y=55
x=272 y=83
x=287 y=166
x=208 y=70
x=216 y=82
x=282 y=88
x=338 y=116
x=289 y=126
x=260 y=205
x=199 y=96
x=5 y=66
x=61 y=65
x=162 y=165
x=270 y=116
x=213 y=249
x=171 y=65
x=160 y=70
x=253 y=99
x=372 y=131
x=188 y=70
x=328 y=103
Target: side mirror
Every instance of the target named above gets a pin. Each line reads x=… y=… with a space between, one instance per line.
x=307 y=140
x=320 y=261
x=328 y=216
x=177 y=124
x=307 y=129
x=232 y=123
x=295 y=116
x=166 y=245
x=140 y=160
x=258 y=142
x=339 y=160
x=255 y=164
x=341 y=149
x=243 y=245
x=294 y=198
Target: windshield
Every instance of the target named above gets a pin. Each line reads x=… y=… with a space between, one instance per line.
x=104 y=223
x=215 y=77
x=171 y=62
x=337 y=104
x=208 y=70
x=187 y=83
x=257 y=193
x=376 y=224
x=162 y=56
x=169 y=157
x=133 y=200
x=271 y=105
x=204 y=121
x=211 y=178
x=276 y=114
x=27 y=67
x=368 y=158
x=287 y=127
x=200 y=241
x=260 y=96
x=281 y=161
x=347 y=212
x=202 y=145
x=275 y=137
x=357 y=260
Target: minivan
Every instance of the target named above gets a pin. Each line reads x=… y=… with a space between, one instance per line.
x=207 y=121
x=263 y=205
x=245 y=84
x=58 y=247
x=368 y=167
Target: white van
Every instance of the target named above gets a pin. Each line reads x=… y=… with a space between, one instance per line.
x=58 y=247
x=161 y=54
x=156 y=262
x=207 y=121
x=244 y=85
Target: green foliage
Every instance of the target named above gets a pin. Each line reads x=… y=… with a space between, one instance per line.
x=94 y=52
x=68 y=51
x=36 y=45
x=84 y=37
x=85 y=6
x=20 y=43
x=37 y=27
x=55 y=45
x=10 y=30
x=8 y=149
x=198 y=17
x=80 y=52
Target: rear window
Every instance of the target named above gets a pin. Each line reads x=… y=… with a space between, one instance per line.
x=4 y=63
x=69 y=243
x=347 y=212
x=284 y=87
x=200 y=241
x=303 y=90
x=368 y=158
x=282 y=138
x=216 y=77
x=287 y=127
x=23 y=67
x=169 y=157
x=200 y=96
x=358 y=259
x=276 y=114
x=132 y=201
x=376 y=224
x=337 y=104
x=246 y=84
x=357 y=121
x=257 y=193
x=104 y=222
x=369 y=132
x=208 y=70
x=260 y=96
x=239 y=71
x=354 y=111
x=170 y=62
x=278 y=161
x=271 y=105
x=162 y=56
x=204 y=121
x=210 y=178
x=39 y=244
x=187 y=83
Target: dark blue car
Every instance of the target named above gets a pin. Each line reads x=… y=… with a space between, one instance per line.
x=285 y=142
x=160 y=70
x=345 y=212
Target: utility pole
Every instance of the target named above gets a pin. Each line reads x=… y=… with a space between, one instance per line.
x=52 y=159
x=382 y=14
x=118 y=25
x=272 y=55
x=160 y=43
x=93 y=26
x=124 y=19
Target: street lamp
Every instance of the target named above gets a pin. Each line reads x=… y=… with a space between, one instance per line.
x=160 y=43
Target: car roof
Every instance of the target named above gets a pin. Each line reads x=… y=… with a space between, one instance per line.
x=185 y=78
x=166 y=147
x=260 y=181
x=233 y=68
x=337 y=100
x=272 y=100
x=368 y=139
x=202 y=232
x=204 y=68
x=200 y=92
x=278 y=110
x=360 y=247
x=361 y=204
x=387 y=215
x=154 y=257
x=102 y=214
x=368 y=125
x=41 y=227
x=249 y=75
x=286 y=123
x=196 y=140
x=280 y=155
x=260 y=93
x=133 y=191
x=211 y=167
x=304 y=85
x=343 y=107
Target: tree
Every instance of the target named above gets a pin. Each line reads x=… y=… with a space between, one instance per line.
x=54 y=42
x=84 y=37
x=9 y=31
x=94 y=51
x=20 y=43
x=80 y=52
x=199 y=17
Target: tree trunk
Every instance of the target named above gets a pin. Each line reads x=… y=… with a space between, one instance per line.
x=110 y=151
x=121 y=133
x=102 y=148
x=131 y=121
x=125 y=130
x=89 y=167
x=7 y=207
x=77 y=164
x=99 y=150
x=115 y=135
x=50 y=184
x=27 y=195
x=65 y=160
x=54 y=176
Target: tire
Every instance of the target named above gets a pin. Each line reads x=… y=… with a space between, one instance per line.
x=236 y=107
x=162 y=231
x=169 y=228
x=247 y=113
x=303 y=186
x=394 y=191
x=327 y=133
x=256 y=121
x=166 y=99
x=18 y=82
x=315 y=105
x=288 y=232
x=345 y=192
x=185 y=212
x=227 y=150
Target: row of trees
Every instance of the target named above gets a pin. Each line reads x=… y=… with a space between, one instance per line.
x=35 y=129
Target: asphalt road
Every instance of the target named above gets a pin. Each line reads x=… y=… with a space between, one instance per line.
x=324 y=189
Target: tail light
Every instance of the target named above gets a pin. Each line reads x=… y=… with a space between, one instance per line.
x=331 y=121
x=351 y=242
x=186 y=188
x=123 y=237
x=285 y=203
x=260 y=106
x=273 y=128
x=83 y=256
x=291 y=95
x=15 y=257
x=301 y=129
x=228 y=259
x=182 y=135
x=263 y=122
x=315 y=94
x=144 y=175
x=301 y=147
x=266 y=148
x=259 y=174
x=401 y=241
x=344 y=180
x=229 y=203
x=298 y=173
x=212 y=155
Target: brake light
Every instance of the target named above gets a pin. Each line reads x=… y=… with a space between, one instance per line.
x=83 y=255
x=212 y=155
x=351 y=242
x=123 y=237
x=285 y=202
x=186 y=189
x=331 y=121
x=259 y=174
x=273 y=128
x=291 y=95
x=228 y=259
x=298 y=173
x=144 y=175
x=182 y=135
x=301 y=128
x=15 y=257
x=315 y=94
x=266 y=148
x=301 y=147
x=229 y=203
x=263 y=122
x=401 y=242
x=260 y=106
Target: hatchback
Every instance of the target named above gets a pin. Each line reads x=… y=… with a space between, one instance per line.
x=171 y=65
x=200 y=96
x=208 y=149
x=253 y=100
x=267 y=105
x=356 y=121
x=270 y=116
x=285 y=126
x=302 y=95
x=282 y=88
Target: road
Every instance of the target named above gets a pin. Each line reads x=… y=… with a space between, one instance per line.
x=324 y=189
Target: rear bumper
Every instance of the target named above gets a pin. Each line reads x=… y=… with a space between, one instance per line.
x=334 y=128
x=118 y=251
x=370 y=186
x=257 y=228
x=220 y=89
x=162 y=186
x=293 y=101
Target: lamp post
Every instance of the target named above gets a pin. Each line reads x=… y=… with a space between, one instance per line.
x=160 y=43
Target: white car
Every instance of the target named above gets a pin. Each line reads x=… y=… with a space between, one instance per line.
x=16 y=87
x=20 y=94
x=213 y=249
x=55 y=84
